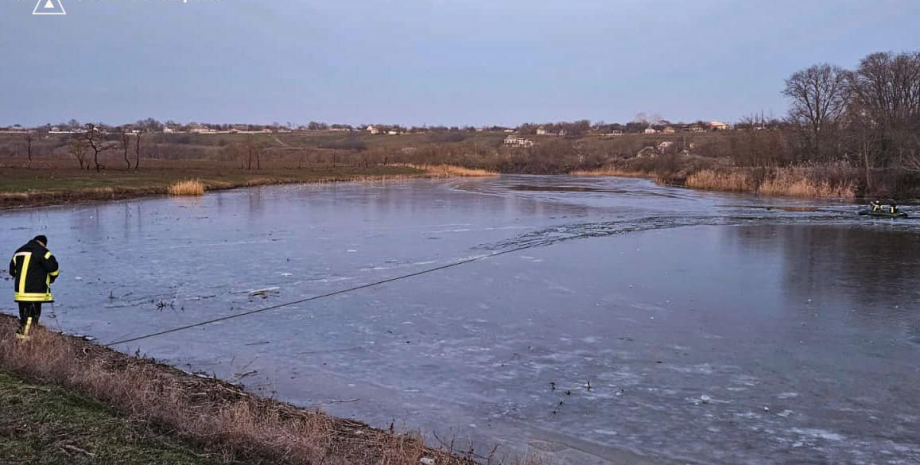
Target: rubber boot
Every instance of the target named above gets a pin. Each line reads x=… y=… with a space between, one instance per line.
x=24 y=335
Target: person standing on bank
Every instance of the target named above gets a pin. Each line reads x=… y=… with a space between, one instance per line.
x=33 y=269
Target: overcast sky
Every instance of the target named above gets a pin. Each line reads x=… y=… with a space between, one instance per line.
x=427 y=61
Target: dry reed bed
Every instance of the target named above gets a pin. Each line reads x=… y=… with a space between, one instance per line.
x=446 y=171
x=824 y=182
x=818 y=182
x=220 y=417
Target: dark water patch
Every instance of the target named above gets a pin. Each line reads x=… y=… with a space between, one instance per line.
x=785 y=208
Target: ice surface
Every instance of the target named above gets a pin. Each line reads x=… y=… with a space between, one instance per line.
x=655 y=296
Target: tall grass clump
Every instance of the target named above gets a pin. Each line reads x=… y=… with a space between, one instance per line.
x=720 y=180
x=187 y=187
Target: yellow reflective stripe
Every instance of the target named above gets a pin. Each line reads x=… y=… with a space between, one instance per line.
x=32 y=297
x=24 y=273
x=55 y=273
x=47 y=255
x=25 y=332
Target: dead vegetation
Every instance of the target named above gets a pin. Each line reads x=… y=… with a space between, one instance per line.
x=837 y=180
x=187 y=187
x=817 y=182
x=447 y=171
x=731 y=181
x=219 y=417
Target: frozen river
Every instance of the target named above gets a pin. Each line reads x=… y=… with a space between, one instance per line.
x=632 y=323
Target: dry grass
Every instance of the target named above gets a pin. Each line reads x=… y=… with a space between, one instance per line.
x=187 y=187
x=611 y=171
x=219 y=417
x=447 y=171
x=806 y=182
x=817 y=182
x=732 y=181
x=824 y=181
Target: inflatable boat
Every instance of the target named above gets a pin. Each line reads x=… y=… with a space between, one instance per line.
x=882 y=213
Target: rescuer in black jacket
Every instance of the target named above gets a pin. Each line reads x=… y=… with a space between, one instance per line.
x=33 y=269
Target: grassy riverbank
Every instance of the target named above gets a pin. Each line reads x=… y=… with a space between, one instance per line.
x=57 y=391
x=41 y=423
x=60 y=183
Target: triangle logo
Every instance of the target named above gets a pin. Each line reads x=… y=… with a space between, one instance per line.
x=49 y=7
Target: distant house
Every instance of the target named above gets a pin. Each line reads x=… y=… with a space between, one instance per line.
x=373 y=130
x=718 y=126
x=393 y=132
x=650 y=130
x=168 y=130
x=694 y=128
x=199 y=129
x=668 y=130
x=517 y=141
x=614 y=133
x=542 y=131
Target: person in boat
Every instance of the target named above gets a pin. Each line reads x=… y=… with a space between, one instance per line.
x=892 y=207
x=876 y=206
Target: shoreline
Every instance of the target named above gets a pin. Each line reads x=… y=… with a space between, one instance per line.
x=788 y=184
x=34 y=198
x=216 y=416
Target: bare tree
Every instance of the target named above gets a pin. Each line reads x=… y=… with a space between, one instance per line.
x=78 y=148
x=137 y=152
x=29 y=138
x=125 y=144
x=819 y=98
x=96 y=141
x=253 y=150
x=887 y=88
x=250 y=151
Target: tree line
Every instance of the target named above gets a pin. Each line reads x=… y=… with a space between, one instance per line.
x=868 y=116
